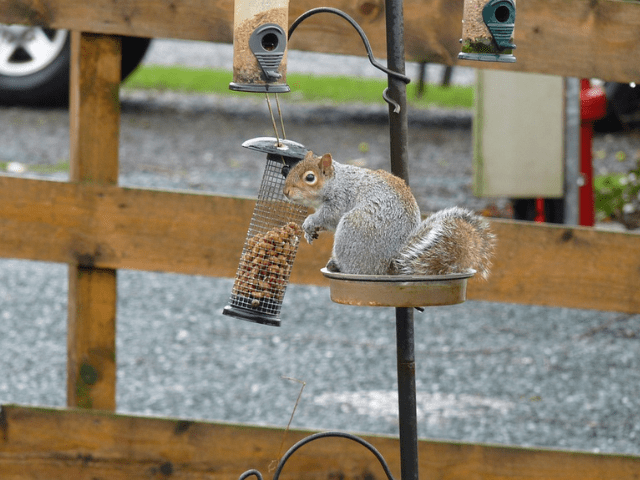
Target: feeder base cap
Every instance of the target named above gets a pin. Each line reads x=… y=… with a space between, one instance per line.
x=488 y=57
x=250 y=316
x=260 y=87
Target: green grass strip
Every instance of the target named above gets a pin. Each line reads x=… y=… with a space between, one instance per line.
x=310 y=88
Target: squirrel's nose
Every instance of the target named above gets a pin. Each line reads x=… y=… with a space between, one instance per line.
x=285 y=190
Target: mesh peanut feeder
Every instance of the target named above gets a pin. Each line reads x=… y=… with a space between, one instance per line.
x=487 y=30
x=272 y=240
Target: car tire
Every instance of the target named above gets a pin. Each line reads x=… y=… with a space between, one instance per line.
x=49 y=85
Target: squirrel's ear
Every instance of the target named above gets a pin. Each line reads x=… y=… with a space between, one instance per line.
x=325 y=162
x=309 y=155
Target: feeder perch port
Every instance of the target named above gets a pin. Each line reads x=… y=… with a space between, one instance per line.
x=272 y=239
x=487 y=30
x=260 y=46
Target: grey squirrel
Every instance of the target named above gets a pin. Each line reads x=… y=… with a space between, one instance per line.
x=377 y=223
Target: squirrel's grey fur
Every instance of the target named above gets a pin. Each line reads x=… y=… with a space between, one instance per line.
x=377 y=223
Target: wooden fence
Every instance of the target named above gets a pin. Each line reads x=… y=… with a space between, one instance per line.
x=97 y=227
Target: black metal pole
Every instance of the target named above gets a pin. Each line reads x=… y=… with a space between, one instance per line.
x=407 y=394
x=405 y=339
x=397 y=89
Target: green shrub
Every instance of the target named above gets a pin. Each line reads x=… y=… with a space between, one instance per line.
x=617 y=196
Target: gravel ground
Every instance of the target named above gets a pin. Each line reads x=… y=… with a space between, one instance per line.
x=486 y=372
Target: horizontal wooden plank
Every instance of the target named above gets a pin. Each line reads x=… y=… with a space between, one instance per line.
x=542 y=264
x=190 y=19
x=113 y=227
x=56 y=443
x=563 y=37
x=579 y=38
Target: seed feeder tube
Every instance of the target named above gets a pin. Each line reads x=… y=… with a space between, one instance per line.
x=260 y=46
x=487 y=30
x=272 y=239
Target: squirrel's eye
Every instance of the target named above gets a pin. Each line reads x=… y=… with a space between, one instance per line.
x=310 y=178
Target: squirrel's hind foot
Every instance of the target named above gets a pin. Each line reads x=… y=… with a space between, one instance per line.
x=332 y=266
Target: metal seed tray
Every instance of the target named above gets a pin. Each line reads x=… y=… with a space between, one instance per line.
x=398 y=290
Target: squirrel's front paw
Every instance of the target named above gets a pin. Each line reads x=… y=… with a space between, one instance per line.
x=311 y=235
x=310 y=230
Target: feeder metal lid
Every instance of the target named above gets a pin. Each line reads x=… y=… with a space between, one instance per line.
x=269 y=145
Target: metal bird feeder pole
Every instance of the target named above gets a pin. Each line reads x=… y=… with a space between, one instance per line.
x=263 y=47
x=259 y=66
x=405 y=338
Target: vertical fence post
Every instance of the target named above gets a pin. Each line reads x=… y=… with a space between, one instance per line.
x=94 y=115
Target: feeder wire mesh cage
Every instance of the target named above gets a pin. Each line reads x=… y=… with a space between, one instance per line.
x=272 y=239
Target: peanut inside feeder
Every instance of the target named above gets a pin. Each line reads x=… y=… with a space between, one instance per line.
x=272 y=239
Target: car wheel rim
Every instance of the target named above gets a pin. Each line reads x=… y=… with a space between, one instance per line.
x=27 y=50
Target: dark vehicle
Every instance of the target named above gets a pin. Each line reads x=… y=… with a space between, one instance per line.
x=34 y=64
x=623 y=107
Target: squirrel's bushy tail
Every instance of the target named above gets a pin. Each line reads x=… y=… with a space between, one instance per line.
x=453 y=240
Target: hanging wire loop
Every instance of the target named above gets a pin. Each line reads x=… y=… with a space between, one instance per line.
x=317 y=436
x=363 y=36
x=248 y=473
x=391 y=101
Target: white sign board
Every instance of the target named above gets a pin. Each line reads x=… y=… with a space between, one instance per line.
x=518 y=135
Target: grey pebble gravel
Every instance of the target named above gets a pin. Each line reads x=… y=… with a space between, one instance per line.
x=486 y=372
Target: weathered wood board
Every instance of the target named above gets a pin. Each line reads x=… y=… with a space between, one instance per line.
x=97 y=227
x=111 y=227
x=55 y=443
x=579 y=38
x=94 y=112
x=579 y=267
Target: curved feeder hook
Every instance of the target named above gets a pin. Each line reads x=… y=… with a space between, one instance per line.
x=317 y=436
x=365 y=41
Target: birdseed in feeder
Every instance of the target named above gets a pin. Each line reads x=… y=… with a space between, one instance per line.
x=246 y=69
x=488 y=40
x=265 y=265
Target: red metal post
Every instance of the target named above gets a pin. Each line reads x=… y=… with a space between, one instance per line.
x=593 y=106
x=540 y=214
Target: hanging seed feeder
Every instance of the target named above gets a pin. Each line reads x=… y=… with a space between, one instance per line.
x=260 y=46
x=272 y=240
x=487 y=30
x=259 y=65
